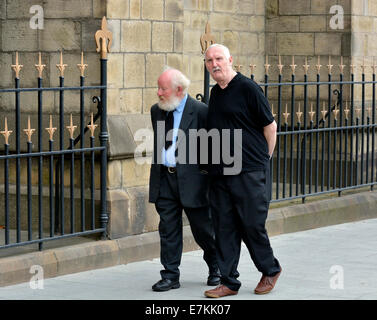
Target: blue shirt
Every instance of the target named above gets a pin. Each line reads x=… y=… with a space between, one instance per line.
x=168 y=156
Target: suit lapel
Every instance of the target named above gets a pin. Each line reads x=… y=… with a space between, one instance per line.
x=187 y=115
x=160 y=116
x=187 y=118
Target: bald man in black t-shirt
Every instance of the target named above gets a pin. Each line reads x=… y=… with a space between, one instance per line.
x=240 y=196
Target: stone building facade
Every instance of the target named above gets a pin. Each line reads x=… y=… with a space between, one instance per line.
x=148 y=34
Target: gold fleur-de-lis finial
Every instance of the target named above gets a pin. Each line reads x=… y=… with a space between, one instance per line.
x=40 y=66
x=104 y=39
x=252 y=68
x=352 y=67
x=358 y=111
x=306 y=66
x=238 y=67
x=51 y=129
x=346 y=110
x=6 y=133
x=335 y=112
x=61 y=66
x=286 y=114
x=330 y=66
x=280 y=65
x=272 y=110
x=17 y=67
x=311 y=112
x=318 y=65
x=293 y=65
x=363 y=66
x=267 y=65
x=299 y=113
x=29 y=131
x=369 y=110
x=374 y=66
x=92 y=126
x=81 y=65
x=324 y=111
x=207 y=38
x=71 y=128
x=341 y=66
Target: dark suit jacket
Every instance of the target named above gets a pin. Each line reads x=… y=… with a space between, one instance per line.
x=193 y=184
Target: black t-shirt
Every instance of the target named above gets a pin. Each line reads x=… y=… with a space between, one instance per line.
x=241 y=105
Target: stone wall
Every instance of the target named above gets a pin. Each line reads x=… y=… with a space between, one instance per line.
x=149 y=34
x=69 y=26
x=239 y=25
x=363 y=44
x=302 y=29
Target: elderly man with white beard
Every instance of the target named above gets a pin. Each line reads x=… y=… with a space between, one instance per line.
x=177 y=185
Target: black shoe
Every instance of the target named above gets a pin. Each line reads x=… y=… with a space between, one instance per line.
x=213 y=280
x=165 y=285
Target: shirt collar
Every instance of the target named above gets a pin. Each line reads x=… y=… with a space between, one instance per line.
x=181 y=105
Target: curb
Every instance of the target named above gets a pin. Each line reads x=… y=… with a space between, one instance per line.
x=106 y=253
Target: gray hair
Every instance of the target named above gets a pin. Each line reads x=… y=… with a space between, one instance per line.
x=178 y=79
x=224 y=49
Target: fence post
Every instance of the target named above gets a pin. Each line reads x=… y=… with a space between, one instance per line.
x=103 y=39
x=17 y=68
x=205 y=41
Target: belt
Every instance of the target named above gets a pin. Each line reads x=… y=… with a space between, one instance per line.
x=170 y=169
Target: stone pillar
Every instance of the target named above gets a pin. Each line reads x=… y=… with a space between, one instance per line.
x=147 y=36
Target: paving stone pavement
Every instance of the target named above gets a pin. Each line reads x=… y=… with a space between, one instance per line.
x=337 y=262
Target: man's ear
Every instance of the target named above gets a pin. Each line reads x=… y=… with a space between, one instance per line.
x=231 y=60
x=179 y=90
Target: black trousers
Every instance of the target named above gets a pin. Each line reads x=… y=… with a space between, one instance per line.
x=239 y=206
x=169 y=208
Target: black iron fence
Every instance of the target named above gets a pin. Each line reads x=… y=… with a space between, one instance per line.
x=324 y=145
x=44 y=212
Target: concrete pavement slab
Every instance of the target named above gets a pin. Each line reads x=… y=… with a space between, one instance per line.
x=337 y=262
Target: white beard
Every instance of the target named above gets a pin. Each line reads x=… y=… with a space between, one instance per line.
x=169 y=105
